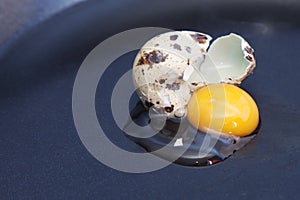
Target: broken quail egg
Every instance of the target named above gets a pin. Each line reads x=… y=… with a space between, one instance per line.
x=171 y=66
x=191 y=85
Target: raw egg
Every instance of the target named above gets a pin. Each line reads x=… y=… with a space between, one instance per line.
x=186 y=79
x=223 y=108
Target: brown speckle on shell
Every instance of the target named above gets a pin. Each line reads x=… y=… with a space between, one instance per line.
x=173 y=37
x=194 y=84
x=249 y=50
x=199 y=38
x=173 y=86
x=162 y=81
x=188 y=49
x=142 y=61
x=169 y=108
x=154 y=56
x=177 y=47
x=249 y=58
x=188 y=61
x=143 y=72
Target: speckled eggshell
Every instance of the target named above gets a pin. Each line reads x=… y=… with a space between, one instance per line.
x=162 y=67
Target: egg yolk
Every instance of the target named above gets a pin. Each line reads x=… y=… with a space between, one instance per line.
x=223 y=108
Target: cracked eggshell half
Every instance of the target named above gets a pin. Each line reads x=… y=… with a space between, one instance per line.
x=161 y=66
x=230 y=59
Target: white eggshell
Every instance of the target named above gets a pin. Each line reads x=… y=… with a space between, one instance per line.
x=160 y=68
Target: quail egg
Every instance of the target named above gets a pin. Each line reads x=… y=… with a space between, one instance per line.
x=195 y=85
x=171 y=66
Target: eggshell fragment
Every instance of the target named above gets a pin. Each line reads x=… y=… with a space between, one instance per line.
x=161 y=66
x=230 y=59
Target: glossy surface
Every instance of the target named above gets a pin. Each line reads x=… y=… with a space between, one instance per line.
x=18 y=17
x=223 y=108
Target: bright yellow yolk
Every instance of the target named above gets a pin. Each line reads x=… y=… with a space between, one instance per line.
x=224 y=108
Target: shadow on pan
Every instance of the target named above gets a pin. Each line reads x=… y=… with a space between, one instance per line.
x=43 y=156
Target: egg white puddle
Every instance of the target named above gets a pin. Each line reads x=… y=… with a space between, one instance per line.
x=196 y=144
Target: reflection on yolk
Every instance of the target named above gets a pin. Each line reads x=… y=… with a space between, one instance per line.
x=224 y=108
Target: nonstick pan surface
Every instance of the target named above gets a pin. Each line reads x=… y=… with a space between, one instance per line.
x=42 y=155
